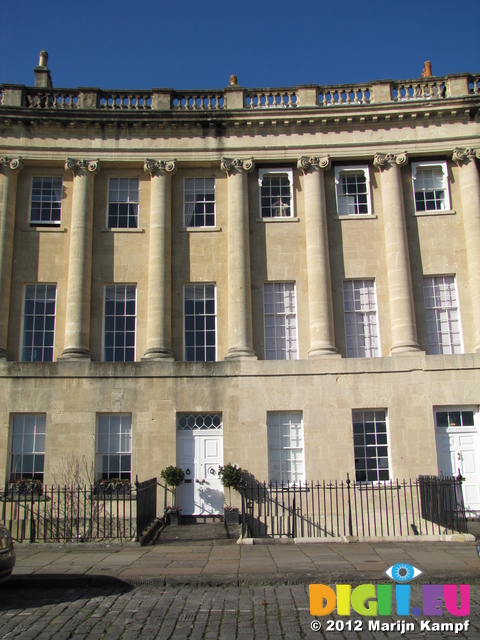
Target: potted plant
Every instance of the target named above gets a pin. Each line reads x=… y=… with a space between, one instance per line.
x=231 y=477
x=173 y=515
x=174 y=477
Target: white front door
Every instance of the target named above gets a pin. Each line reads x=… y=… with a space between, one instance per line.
x=199 y=454
x=457 y=434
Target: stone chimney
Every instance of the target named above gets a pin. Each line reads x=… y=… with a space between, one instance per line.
x=427 y=69
x=42 y=72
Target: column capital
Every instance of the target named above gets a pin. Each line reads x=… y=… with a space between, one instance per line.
x=11 y=163
x=93 y=166
x=387 y=160
x=308 y=164
x=465 y=155
x=154 y=167
x=237 y=164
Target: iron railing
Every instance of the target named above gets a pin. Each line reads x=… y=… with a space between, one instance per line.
x=72 y=513
x=346 y=508
x=441 y=499
x=146 y=503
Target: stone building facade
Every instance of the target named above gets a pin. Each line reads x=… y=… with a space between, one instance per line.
x=285 y=279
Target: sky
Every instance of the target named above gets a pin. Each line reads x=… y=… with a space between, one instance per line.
x=188 y=44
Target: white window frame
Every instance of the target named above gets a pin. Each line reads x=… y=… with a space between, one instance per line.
x=130 y=201
x=27 y=438
x=199 y=199
x=362 y=316
x=438 y=314
x=280 y=321
x=366 y=440
x=34 y=323
x=111 y=444
x=279 y=454
x=118 y=331
x=344 y=207
x=191 y=327
x=280 y=212
x=41 y=198
x=442 y=165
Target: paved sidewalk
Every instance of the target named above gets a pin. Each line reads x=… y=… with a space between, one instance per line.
x=222 y=562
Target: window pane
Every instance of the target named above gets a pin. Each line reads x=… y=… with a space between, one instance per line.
x=370 y=426
x=199 y=323
x=442 y=315
x=27 y=446
x=38 y=314
x=114 y=445
x=275 y=195
x=285 y=447
x=361 y=324
x=280 y=320
x=119 y=323
x=46 y=200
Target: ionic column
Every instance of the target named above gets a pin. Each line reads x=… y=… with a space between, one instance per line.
x=240 y=341
x=322 y=334
x=10 y=168
x=77 y=321
x=159 y=323
x=402 y=309
x=470 y=194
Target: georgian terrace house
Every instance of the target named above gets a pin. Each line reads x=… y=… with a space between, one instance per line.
x=287 y=279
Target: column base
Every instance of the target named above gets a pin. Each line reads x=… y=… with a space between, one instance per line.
x=75 y=353
x=158 y=353
x=404 y=347
x=4 y=355
x=323 y=352
x=237 y=353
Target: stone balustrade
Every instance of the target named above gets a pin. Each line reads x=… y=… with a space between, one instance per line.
x=124 y=100
x=346 y=95
x=51 y=99
x=236 y=97
x=424 y=90
x=474 y=84
x=198 y=100
x=270 y=98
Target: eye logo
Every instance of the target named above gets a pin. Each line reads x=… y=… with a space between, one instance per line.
x=403 y=572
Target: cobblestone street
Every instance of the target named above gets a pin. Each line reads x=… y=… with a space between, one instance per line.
x=213 y=613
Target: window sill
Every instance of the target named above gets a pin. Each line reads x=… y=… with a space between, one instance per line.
x=436 y=212
x=358 y=216
x=289 y=488
x=279 y=219
x=45 y=228
x=121 y=230
x=200 y=229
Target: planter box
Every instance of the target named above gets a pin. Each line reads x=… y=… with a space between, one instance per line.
x=116 y=490
x=231 y=517
x=174 y=519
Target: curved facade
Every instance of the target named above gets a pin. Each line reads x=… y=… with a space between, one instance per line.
x=285 y=279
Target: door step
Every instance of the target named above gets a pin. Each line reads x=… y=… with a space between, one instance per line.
x=201 y=519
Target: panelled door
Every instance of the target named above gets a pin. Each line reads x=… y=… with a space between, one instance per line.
x=457 y=434
x=199 y=454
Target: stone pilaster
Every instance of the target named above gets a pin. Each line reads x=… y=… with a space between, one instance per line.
x=322 y=335
x=470 y=194
x=77 y=320
x=402 y=309
x=240 y=341
x=159 y=318
x=9 y=170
